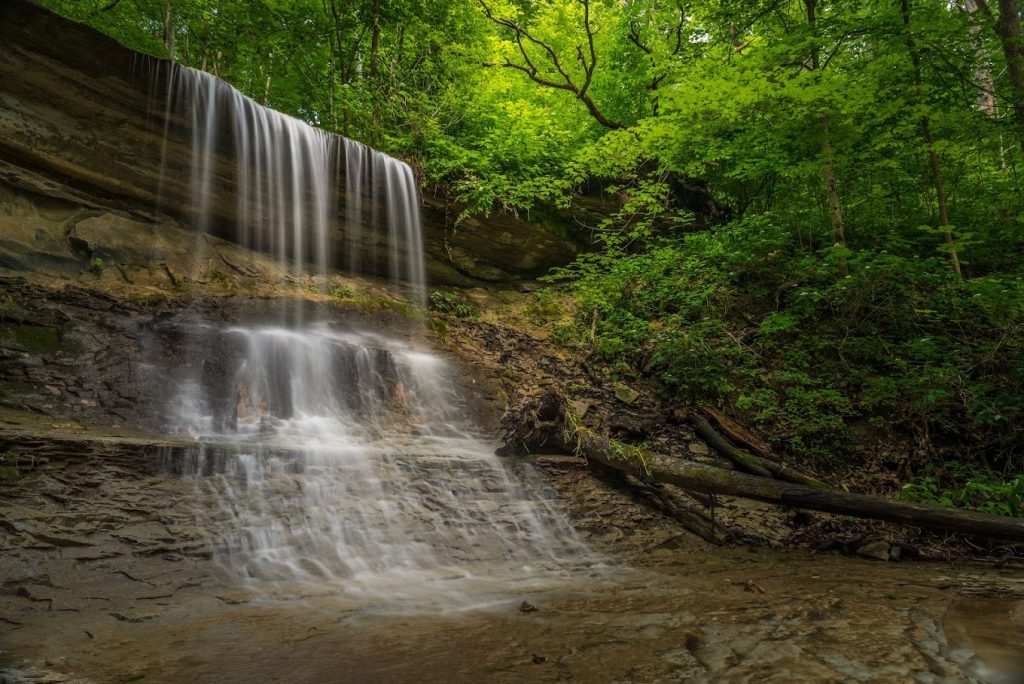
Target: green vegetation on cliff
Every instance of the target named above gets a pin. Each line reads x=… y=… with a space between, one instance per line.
x=817 y=204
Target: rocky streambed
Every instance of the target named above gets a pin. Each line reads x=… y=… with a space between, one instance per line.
x=110 y=571
x=108 y=577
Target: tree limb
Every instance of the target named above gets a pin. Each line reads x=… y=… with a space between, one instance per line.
x=566 y=81
x=548 y=420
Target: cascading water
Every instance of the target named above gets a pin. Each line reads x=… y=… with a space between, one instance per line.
x=332 y=455
x=285 y=186
x=346 y=456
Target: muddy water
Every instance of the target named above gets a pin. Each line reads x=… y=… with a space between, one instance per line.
x=115 y=567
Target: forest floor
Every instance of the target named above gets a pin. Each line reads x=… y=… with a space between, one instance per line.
x=106 y=577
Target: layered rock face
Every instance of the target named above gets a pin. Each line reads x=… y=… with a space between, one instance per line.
x=94 y=164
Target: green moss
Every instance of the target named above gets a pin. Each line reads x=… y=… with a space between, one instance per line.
x=367 y=304
x=148 y=298
x=14 y=467
x=439 y=326
x=341 y=293
x=36 y=339
x=221 y=278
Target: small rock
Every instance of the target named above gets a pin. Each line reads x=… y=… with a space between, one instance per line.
x=538 y=659
x=135 y=619
x=581 y=406
x=698 y=448
x=878 y=550
x=625 y=394
x=527 y=607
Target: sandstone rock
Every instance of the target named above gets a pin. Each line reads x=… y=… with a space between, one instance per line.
x=625 y=394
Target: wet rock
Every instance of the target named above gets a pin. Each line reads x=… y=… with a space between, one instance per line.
x=877 y=550
x=60 y=541
x=561 y=461
x=133 y=618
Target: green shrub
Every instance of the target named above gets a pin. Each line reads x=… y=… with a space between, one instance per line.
x=452 y=304
x=965 y=486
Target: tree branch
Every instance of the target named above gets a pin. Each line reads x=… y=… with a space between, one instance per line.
x=566 y=83
x=106 y=8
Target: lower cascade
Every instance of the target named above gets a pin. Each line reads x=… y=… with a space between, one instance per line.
x=331 y=455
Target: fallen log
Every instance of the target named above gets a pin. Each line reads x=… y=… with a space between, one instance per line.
x=547 y=421
x=747 y=461
x=736 y=433
x=741 y=459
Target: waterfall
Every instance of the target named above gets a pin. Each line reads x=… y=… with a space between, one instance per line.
x=326 y=454
x=312 y=199
x=342 y=456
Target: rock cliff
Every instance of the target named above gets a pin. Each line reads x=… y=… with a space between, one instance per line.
x=92 y=165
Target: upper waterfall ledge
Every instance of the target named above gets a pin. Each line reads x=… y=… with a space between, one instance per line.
x=81 y=139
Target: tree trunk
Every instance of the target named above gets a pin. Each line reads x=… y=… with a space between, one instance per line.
x=549 y=422
x=169 y=29
x=929 y=138
x=749 y=462
x=336 y=77
x=1008 y=28
x=835 y=209
x=711 y=480
x=987 y=89
x=330 y=91
x=375 y=40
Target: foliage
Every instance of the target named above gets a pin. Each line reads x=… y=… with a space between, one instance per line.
x=738 y=316
x=965 y=486
x=453 y=304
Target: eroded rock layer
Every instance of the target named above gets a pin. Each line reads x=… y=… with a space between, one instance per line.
x=86 y=136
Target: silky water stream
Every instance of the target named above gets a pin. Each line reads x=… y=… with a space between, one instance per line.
x=345 y=460
x=324 y=455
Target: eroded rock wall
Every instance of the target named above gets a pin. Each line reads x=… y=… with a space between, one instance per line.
x=87 y=145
